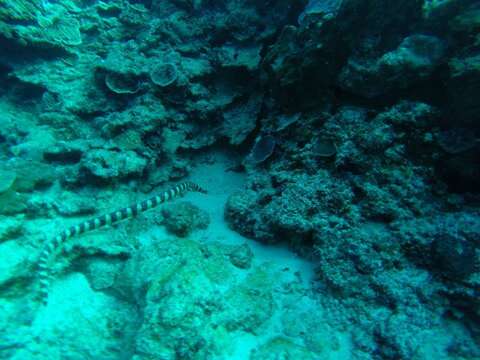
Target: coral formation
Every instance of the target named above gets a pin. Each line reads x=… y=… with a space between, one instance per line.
x=339 y=141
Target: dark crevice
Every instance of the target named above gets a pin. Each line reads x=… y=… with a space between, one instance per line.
x=14 y=54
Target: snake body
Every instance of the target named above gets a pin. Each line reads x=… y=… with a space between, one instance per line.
x=53 y=246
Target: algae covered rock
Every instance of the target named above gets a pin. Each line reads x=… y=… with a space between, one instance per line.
x=71 y=204
x=103 y=272
x=284 y=348
x=97 y=324
x=14 y=269
x=329 y=7
x=455 y=255
x=40 y=24
x=290 y=214
x=108 y=164
x=32 y=175
x=10 y=227
x=61 y=30
x=193 y=300
x=415 y=59
x=241 y=256
x=20 y=10
x=173 y=269
x=239 y=212
x=7 y=178
x=464 y=81
x=22 y=177
x=143 y=117
x=123 y=69
x=65 y=152
x=251 y=303
x=234 y=56
x=240 y=119
x=12 y=203
x=183 y=218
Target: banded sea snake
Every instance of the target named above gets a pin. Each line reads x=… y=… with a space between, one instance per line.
x=54 y=245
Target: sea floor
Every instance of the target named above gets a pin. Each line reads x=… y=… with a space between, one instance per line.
x=269 y=307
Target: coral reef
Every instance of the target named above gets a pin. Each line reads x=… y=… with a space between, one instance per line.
x=340 y=144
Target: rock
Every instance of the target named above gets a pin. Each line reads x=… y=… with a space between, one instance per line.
x=108 y=164
x=178 y=287
x=240 y=213
x=183 y=218
x=284 y=347
x=40 y=25
x=234 y=56
x=241 y=119
x=62 y=30
x=21 y=10
x=284 y=121
x=33 y=175
x=10 y=227
x=456 y=141
x=142 y=117
x=80 y=95
x=290 y=215
x=102 y=272
x=172 y=140
x=252 y=293
x=71 y=204
x=467 y=21
x=64 y=152
x=241 y=256
x=319 y=7
x=34 y=144
x=14 y=268
x=414 y=60
x=74 y=308
x=7 y=178
x=455 y=256
x=12 y=203
x=464 y=81
x=124 y=58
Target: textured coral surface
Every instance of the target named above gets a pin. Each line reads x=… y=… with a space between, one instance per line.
x=339 y=141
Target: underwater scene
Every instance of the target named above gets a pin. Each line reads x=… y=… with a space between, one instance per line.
x=240 y=179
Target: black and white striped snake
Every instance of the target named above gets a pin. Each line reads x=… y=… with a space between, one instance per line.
x=52 y=246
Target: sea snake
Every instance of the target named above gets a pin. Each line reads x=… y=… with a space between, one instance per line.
x=52 y=246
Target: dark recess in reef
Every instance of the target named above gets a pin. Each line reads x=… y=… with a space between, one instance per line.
x=15 y=54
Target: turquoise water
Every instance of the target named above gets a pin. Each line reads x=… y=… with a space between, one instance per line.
x=245 y=180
